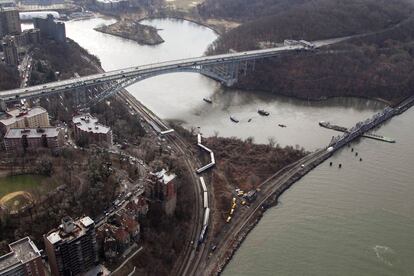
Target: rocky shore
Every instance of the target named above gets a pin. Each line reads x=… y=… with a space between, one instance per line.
x=133 y=30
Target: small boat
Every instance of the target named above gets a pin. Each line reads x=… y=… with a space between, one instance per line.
x=263 y=112
x=234 y=119
x=249 y=120
x=207 y=100
x=281 y=125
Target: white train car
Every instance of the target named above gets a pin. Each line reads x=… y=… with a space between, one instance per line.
x=205 y=199
x=167 y=131
x=307 y=44
x=206 y=216
x=203 y=184
x=205 y=148
x=205 y=226
x=213 y=161
x=199 y=139
x=204 y=168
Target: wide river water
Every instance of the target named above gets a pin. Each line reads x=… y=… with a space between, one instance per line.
x=358 y=220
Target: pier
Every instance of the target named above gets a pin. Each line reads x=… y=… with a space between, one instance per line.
x=362 y=128
x=346 y=130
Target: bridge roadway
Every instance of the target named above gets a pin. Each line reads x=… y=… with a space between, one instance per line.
x=149 y=70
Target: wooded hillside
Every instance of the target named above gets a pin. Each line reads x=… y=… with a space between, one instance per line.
x=376 y=65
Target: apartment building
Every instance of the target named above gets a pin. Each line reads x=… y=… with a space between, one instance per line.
x=51 y=29
x=9 y=21
x=162 y=187
x=11 y=56
x=22 y=139
x=87 y=126
x=71 y=248
x=24 y=259
x=24 y=118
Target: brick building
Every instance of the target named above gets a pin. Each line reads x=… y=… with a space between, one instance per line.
x=9 y=21
x=163 y=188
x=118 y=234
x=72 y=248
x=24 y=118
x=50 y=29
x=11 y=56
x=87 y=127
x=22 y=139
x=24 y=259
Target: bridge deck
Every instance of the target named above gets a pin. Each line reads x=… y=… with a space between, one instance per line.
x=153 y=69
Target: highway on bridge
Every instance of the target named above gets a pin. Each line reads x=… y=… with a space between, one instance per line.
x=149 y=70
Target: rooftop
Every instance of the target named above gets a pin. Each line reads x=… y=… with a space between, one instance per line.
x=164 y=176
x=4 y=2
x=21 y=251
x=111 y=1
x=15 y=133
x=18 y=114
x=88 y=123
x=79 y=229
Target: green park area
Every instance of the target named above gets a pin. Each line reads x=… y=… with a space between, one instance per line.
x=25 y=182
x=19 y=191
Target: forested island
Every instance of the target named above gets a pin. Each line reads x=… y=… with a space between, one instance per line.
x=131 y=29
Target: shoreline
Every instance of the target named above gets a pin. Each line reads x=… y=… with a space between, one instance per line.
x=273 y=199
x=195 y=21
x=140 y=33
x=269 y=201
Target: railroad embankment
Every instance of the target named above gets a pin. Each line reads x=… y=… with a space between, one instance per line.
x=272 y=188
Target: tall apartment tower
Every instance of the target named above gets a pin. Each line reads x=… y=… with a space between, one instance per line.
x=72 y=249
x=10 y=51
x=9 y=22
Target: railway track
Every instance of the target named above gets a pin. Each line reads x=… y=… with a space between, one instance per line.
x=268 y=188
x=181 y=147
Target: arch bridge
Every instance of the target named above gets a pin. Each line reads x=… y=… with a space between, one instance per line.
x=224 y=68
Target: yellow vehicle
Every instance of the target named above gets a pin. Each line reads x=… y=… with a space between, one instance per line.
x=228 y=219
x=243 y=202
x=233 y=206
x=240 y=193
x=234 y=200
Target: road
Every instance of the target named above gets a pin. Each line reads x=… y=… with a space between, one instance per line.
x=141 y=72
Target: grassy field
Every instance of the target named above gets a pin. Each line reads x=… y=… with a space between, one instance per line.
x=15 y=183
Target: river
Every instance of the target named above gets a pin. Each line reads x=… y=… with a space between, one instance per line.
x=180 y=96
x=357 y=220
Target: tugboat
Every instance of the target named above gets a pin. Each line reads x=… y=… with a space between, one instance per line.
x=234 y=120
x=263 y=112
x=281 y=125
x=207 y=100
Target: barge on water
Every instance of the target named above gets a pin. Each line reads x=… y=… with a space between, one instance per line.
x=234 y=120
x=366 y=135
x=263 y=112
x=207 y=100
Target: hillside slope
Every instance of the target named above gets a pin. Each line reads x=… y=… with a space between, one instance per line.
x=376 y=66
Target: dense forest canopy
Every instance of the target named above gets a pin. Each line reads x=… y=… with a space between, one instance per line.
x=318 y=19
x=245 y=9
x=378 y=64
